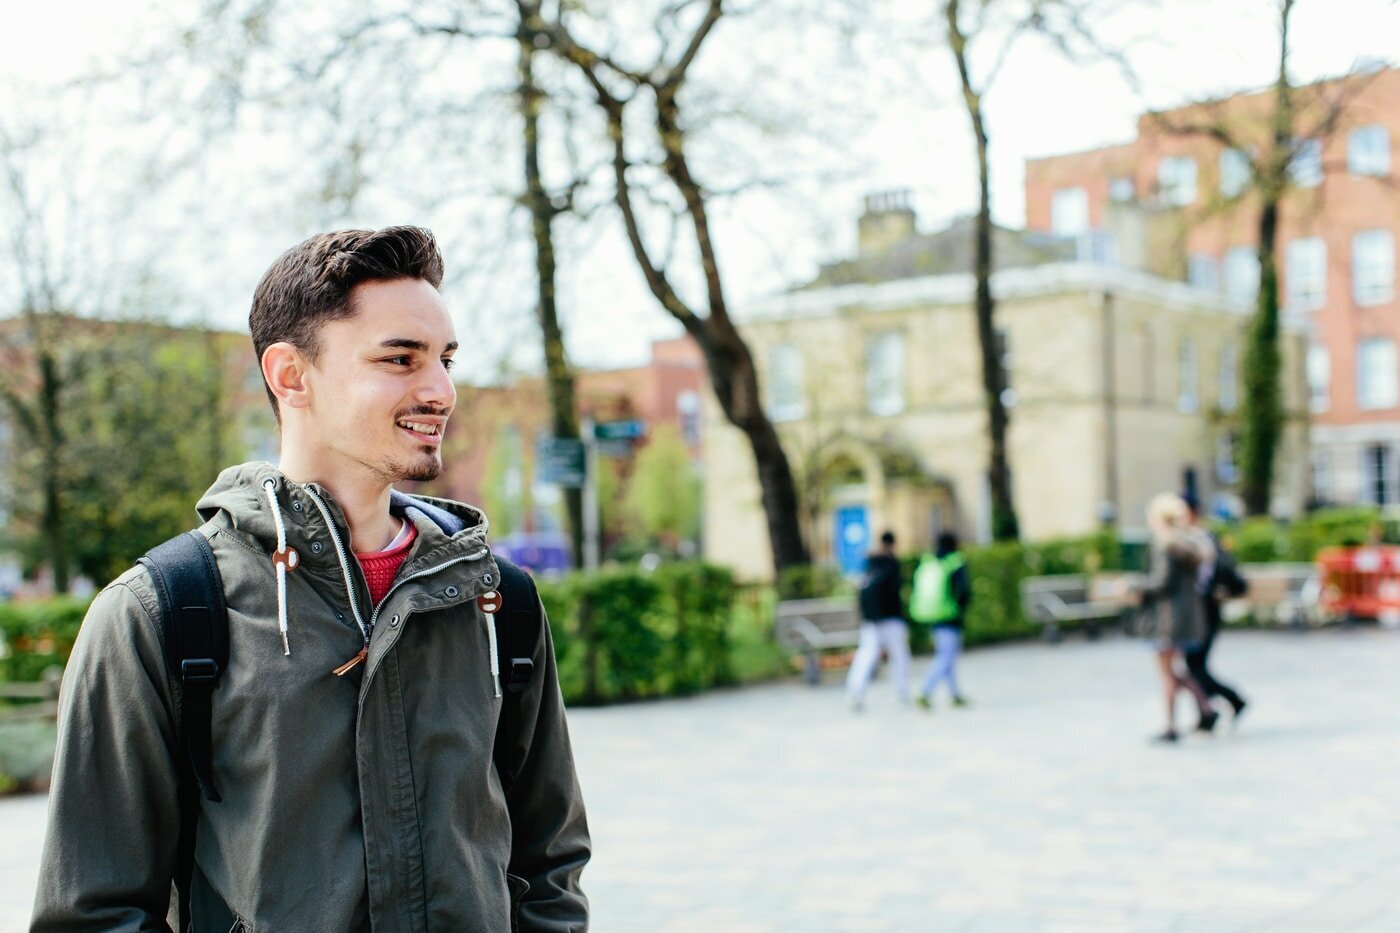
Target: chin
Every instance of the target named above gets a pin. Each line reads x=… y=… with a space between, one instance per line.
x=424 y=469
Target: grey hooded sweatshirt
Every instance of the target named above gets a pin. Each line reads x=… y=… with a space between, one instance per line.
x=368 y=801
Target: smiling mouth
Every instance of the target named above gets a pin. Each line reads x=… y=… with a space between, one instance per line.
x=424 y=431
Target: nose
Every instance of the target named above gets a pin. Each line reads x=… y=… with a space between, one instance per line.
x=437 y=389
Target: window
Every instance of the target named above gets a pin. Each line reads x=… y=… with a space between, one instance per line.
x=1225 y=470
x=1003 y=345
x=1241 y=273
x=1321 y=475
x=1234 y=173
x=785 y=383
x=1319 y=367
x=1097 y=246
x=1375 y=373
x=1186 y=376
x=1373 y=267
x=884 y=373
x=1202 y=271
x=1229 y=397
x=1069 y=211
x=1307 y=274
x=1305 y=168
x=1375 y=467
x=1176 y=180
x=1368 y=151
x=688 y=408
x=1121 y=190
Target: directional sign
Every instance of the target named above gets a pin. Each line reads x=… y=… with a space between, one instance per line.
x=620 y=430
x=559 y=460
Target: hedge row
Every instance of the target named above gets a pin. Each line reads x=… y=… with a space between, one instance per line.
x=625 y=634
x=1263 y=540
x=37 y=635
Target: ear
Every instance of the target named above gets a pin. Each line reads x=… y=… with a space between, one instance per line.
x=284 y=367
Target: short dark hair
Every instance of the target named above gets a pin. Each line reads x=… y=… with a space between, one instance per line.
x=947 y=543
x=887 y=539
x=310 y=284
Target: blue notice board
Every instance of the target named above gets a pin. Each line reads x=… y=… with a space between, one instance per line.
x=852 y=538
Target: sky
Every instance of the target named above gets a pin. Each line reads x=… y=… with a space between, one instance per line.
x=915 y=137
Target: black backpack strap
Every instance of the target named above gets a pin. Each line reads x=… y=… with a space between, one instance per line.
x=194 y=630
x=517 y=632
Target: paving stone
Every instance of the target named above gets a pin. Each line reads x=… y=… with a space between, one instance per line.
x=1043 y=807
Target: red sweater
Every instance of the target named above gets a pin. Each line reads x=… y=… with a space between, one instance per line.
x=381 y=567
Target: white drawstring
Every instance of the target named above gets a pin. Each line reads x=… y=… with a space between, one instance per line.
x=270 y=487
x=495 y=654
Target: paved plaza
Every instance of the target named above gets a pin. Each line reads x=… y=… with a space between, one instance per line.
x=1043 y=807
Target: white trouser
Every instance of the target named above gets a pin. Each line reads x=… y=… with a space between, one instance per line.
x=891 y=635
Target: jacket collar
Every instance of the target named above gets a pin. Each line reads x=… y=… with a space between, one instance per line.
x=446 y=529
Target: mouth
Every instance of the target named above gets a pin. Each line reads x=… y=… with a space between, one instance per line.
x=423 y=432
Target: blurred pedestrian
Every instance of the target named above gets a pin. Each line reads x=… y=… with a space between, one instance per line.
x=1218 y=580
x=883 y=627
x=942 y=593
x=1173 y=612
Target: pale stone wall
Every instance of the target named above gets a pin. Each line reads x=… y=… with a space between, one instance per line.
x=1060 y=439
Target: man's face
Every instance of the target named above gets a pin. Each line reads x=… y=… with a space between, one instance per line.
x=380 y=389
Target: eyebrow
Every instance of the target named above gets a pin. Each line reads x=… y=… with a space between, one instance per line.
x=408 y=343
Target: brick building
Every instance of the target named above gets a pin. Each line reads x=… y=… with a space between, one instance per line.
x=489 y=451
x=1181 y=206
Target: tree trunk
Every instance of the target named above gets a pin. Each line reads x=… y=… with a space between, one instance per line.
x=559 y=378
x=51 y=436
x=1262 y=409
x=1005 y=526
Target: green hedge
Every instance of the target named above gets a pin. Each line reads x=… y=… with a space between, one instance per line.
x=36 y=635
x=626 y=634
x=1263 y=540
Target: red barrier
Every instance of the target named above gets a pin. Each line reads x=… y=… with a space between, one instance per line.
x=1360 y=582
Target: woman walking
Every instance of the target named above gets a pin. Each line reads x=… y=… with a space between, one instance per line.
x=1174 y=617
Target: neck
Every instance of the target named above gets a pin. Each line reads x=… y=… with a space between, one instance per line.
x=363 y=497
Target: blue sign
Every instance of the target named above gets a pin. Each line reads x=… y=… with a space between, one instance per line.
x=619 y=430
x=852 y=541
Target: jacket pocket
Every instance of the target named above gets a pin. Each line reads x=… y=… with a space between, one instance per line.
x=519 y=887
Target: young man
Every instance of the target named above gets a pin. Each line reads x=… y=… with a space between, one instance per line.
x=942 y=593
x=882 y=626
x=353 y=731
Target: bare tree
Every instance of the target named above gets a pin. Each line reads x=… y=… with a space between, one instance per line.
x=732 y=370
x=1270 y=146
x=1001 y=24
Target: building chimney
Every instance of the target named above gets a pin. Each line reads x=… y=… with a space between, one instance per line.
x=888 y=220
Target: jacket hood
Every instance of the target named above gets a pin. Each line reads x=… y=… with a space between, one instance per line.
x=240 y=500
x=1191 y=545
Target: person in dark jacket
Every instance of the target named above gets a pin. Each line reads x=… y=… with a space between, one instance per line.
x=1219 y=580
x=353 y=726
x=942 y=593
x=883 y=627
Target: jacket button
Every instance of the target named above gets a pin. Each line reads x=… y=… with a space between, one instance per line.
x=317 y=547
x=340 y=617
x=393 y=621
x=451 y=591
x=296 y=505
x=486 y=578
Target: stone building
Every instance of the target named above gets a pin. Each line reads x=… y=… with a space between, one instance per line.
x=1121 y=385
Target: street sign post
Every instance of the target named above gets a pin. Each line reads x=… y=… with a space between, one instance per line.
x=560 y=461
x=620 y=430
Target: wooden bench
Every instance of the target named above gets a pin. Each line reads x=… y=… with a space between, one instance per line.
x=811 y=626
x=1074 y=599
x=1285 y=593
x=45 y=692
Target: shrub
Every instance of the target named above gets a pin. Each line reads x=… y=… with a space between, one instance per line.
x=36 y=635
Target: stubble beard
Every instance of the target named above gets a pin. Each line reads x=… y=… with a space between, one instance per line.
x=422 y=469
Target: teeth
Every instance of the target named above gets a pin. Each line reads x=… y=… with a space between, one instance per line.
x=420 y=428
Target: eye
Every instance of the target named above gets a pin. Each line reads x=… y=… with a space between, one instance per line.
x=399 y=360
x=448 y=362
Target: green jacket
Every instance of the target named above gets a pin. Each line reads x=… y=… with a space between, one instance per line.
x=368 y=801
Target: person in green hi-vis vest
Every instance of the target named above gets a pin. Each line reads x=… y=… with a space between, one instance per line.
x=942 y=592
